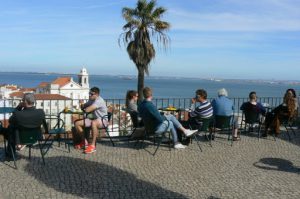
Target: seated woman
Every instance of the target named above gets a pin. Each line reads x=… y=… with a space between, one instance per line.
x=131 y=107
x=286 y=110
x=293 y=93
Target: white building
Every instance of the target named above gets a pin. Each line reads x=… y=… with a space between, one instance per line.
x=67 y=87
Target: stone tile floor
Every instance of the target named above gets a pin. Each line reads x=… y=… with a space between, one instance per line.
x=251 y=168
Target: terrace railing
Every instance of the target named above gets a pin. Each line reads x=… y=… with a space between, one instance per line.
x=121 y=122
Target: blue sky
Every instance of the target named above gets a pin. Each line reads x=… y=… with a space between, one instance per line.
x=257 y=39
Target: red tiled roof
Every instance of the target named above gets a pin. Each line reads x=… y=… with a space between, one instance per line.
x=43 y=84
x=50 y=97
x=11 y=87
x=41 y=96
x=17 y=94
x=61 y=81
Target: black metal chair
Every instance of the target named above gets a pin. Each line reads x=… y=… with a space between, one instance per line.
x=108 y=118
x=55 y=132
x=205 y=126
x=137 y=128
x=157 y=138
x=288 y=123
x=251 y=119
x=28 y=137
x=224 y=124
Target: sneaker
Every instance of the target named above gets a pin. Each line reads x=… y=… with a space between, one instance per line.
x=83 y=144
x=90 y=149
x=179 y=146
x=188 y=132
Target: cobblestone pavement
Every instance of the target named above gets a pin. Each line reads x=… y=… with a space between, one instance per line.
x=251 y=168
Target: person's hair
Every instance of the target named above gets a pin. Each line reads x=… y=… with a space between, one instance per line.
x=29 y=98
x=147 y=92
x=289 y=100
x=95 y=90
x=252 y=95
x=129 y=95
x=222 y=92
x=292 y=91
x=202 y=93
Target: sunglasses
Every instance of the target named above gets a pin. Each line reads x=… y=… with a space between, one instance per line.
x=91 y=94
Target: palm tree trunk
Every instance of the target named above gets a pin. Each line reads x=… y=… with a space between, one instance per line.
x=141 y=77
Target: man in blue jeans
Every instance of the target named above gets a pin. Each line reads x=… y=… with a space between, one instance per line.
x=148 y=111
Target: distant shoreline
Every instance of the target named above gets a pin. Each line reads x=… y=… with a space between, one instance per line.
x=132 y=77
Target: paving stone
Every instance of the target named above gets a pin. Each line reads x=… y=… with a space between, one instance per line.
x=251 y=168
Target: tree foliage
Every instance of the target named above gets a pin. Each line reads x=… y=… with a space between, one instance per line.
x=143 y=23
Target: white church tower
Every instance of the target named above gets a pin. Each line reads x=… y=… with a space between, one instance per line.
x=83 y=78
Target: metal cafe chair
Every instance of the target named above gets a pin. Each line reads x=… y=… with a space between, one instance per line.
x=251 y=119
x=157 y=138
x=137 y=128
x=107 y=117
x=205 y=127
x=224 y=124
x=288 y=122
x=28 y=137
x=56 y=132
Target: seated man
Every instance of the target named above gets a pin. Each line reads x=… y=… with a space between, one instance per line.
x=204 y=110
x=223 y=106
x=97 y=107
x=25 y=115
x=196 y=114
x=253 y=106
x=147 y=110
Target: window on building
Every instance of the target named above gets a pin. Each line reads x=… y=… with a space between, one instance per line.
x=71 y=85
x=42 y=103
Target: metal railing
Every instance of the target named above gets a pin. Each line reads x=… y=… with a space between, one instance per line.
x=121 y=120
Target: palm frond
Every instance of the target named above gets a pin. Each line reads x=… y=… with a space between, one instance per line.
x=143 y=24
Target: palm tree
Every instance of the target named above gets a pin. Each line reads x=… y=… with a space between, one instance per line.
x=143 y=22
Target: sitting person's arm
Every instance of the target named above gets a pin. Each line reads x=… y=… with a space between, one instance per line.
x=155 y=113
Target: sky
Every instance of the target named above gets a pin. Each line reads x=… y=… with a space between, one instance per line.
x=240 y=39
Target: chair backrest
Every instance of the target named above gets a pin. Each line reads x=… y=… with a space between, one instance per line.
x=29 y=136
x=134 y=118
x=222 y=121
x=206 y=124
x=149 y=125
x=251 y=116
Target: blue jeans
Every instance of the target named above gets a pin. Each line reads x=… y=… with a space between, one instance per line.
x=173 y=124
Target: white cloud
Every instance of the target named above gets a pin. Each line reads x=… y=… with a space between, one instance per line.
x=266 y=15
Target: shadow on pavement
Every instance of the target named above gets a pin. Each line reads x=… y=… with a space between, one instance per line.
x=277 y=164
x=88 y=179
